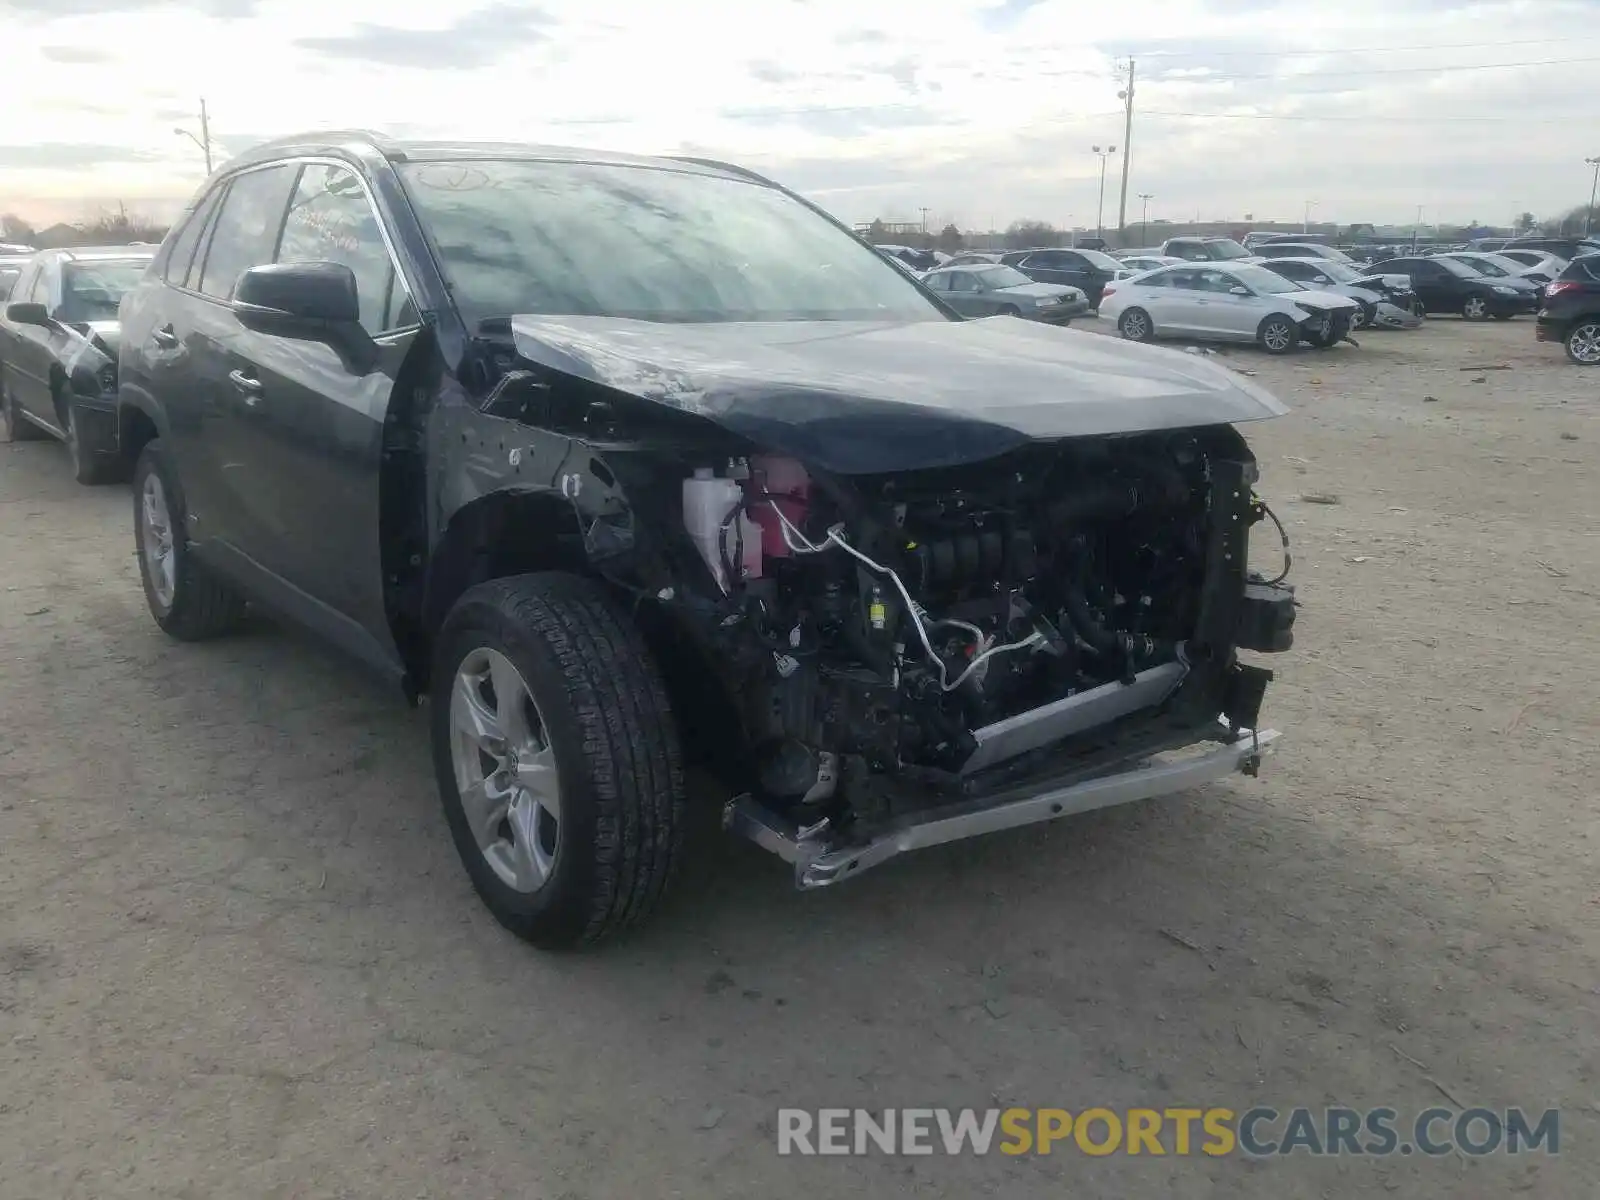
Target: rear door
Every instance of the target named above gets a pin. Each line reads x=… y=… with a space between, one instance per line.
x=1178 y=309
x=311 y=414
x=1046 y=266
x=966 y=297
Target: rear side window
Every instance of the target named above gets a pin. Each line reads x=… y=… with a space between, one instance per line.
x=331 y=220
x=187 y=238
x=246 y=230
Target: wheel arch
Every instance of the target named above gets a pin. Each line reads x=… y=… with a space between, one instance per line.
x=508 y=532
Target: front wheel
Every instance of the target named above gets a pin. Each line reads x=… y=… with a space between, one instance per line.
x=1009 y=310
x=557 y=758
x=1475 y=308
x=1136 y=326
x=1277 y=335
x=1583 y=342
x=187 y=601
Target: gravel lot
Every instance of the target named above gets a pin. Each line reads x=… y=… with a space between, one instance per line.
x=238 y=956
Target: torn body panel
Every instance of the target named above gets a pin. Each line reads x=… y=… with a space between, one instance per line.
x=860 y=397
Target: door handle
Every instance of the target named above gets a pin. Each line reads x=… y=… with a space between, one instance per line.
x=165 y=338
x=250 y=387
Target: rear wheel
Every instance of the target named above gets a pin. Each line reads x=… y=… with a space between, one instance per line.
x=1583 y=342
x=557 y=758
x=1277 y=335
x=1475 y=308
x=1136 y=326
x=187 y=601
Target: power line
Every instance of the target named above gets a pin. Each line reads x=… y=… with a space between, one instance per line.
x=1281 y=77
x=1367 y=120
x=1361 y=49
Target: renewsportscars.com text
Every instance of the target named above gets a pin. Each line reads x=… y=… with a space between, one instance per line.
x=1256 y=1132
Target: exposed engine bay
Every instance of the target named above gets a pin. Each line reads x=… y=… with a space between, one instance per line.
x=954 y=626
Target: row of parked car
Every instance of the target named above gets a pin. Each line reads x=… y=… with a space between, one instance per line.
x=1278 y=293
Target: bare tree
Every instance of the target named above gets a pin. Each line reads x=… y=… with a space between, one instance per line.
x=1020 y=235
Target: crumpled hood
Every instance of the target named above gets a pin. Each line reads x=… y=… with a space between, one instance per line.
x=1325 y=301
x=866 y=397
x=1033 y=290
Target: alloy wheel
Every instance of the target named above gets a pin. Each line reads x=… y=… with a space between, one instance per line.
x=1583 y=343
x=1475 y=309
x=505 y=770
x=157 y=538
x=1135 y=327
x=1277 y=336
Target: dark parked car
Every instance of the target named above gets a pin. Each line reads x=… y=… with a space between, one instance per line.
x=58 y=352
x=1204 y=249
x=1561 y=247
x=1087 y=270
x=624 y=462
x=994 y=290
x=1382 y=306
x=1444 y=285
x=1571 y=312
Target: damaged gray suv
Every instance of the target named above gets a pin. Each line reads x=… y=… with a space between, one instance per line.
x=630 y=464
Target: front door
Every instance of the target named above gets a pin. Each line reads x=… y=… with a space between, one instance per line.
x=33 y=349
x=309 y=415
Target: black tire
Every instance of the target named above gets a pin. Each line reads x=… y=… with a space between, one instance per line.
x=1277 y=335
x=202 y=606
x=1583 y=342
x=18 y=428
x=88 y=468
x=1135 y=325
x=610 y=728
x=1474 y=308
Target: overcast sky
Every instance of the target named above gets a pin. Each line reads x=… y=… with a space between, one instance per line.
x=978 y=110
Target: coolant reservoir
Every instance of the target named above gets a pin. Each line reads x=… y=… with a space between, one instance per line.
x=708 y=505
x=786 y=484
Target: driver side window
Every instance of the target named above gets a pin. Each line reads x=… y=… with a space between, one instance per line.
x=964 y=283
x=331 y=220
x=1218 y=281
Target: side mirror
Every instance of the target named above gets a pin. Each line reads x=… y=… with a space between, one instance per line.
x=314 y=302
x=28 y=314
x=1239 y=291
x=317 y=294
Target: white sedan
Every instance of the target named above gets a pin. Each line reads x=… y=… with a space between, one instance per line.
x=1227 y=302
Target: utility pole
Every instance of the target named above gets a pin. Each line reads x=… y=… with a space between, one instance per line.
x=1305 y=226
x=1126 y=96
x=1416 y=230
x=924 y=213
x=1594 y=189
x=1144 y=216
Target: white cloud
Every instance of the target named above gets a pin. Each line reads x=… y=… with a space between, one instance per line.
x=977 y=109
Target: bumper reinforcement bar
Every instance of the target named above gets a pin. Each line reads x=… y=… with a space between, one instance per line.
x=820 y=858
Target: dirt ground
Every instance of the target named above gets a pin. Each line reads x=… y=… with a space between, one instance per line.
x=238 y=956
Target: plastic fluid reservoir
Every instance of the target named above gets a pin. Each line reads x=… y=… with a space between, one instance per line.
x=786 y=484
x=708 y=503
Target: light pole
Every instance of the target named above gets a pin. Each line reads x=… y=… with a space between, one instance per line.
x=1588 y=217
x=1100 y=212
x=204 y=140
x=1416 y=230
x=1144 y=216
x=1305 y=226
